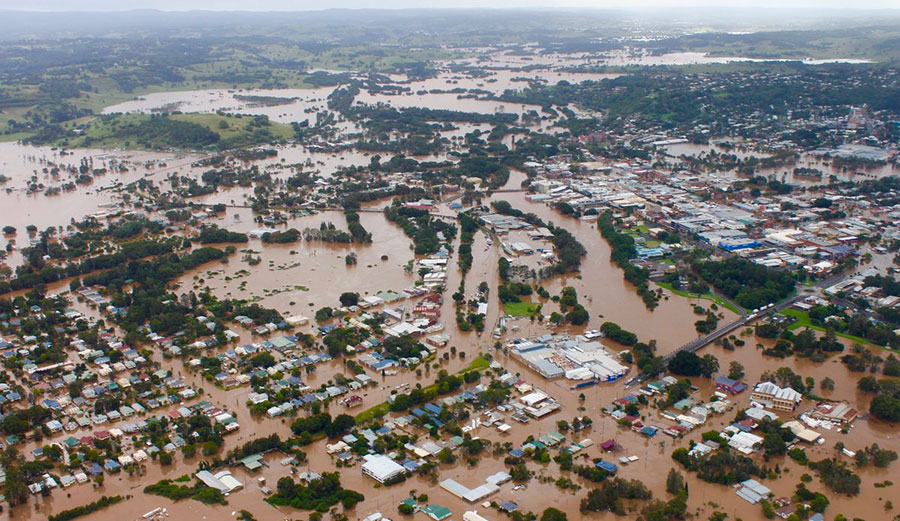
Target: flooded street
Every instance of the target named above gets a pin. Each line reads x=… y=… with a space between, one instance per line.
x=46 y=189
x=704 y=497
x=603 y=290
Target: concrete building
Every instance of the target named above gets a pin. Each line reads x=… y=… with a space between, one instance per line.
x=381 y=468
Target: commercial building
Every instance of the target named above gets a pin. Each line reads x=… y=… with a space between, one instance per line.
x=771 y=395
x=223 y=481
x=835 y=412
x=579 y=359
x=801 y=432
x=490 y=486
x=753 y=491
x=471 y=495
x=744 y=442
x=381 y=468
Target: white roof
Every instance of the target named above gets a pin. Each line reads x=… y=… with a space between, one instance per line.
x=382 y=467
x=481 y=492
x=472 y=515
x=229 y=481
x=775 y=391
x=744 y=441
x=223 y=481
x=533 y=398
x=211 y=481
x=758 y=413
x=789 y=394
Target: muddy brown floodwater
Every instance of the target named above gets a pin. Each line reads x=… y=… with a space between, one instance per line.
x=651 y=468
x=302 y=277
x=786 y=173
x=320 y=269
x=602 y=288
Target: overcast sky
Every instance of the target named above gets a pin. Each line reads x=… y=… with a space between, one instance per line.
x=300 y=5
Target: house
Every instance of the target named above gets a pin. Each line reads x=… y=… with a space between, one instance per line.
x=258 y=398
x=352 y=401
x=334 y=448
x=760 y=414
x=253 y=462
x=607 y=467
x=730 y=386
x=785 y=511
x=437 y=512
x=783 y=399
x=508 y=507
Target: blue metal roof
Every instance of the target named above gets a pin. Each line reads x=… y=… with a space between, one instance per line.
x=607 y=466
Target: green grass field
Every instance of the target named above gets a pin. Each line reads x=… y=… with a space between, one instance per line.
x=233 y=132
x=520 y=309
x=7 y=138
x=804 y=321
x=706 y=296
x=801 y=317
x=479 y=363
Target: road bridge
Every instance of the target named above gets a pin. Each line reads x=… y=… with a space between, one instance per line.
x=745 y=319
